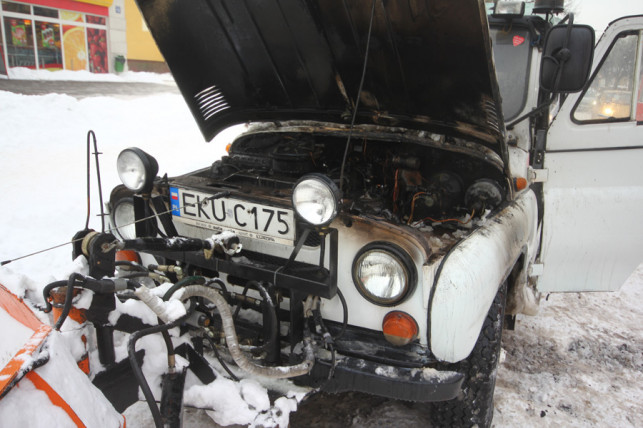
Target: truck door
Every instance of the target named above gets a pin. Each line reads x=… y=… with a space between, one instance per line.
x=593 y=214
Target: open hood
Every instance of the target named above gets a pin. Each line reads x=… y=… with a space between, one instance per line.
x=429 y=63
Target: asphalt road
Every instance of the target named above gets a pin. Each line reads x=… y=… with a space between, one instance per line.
x=80 y=90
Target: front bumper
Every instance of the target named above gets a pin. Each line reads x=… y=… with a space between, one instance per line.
x=400 y=383
x=366 y=362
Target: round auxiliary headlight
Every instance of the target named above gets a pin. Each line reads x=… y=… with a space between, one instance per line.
x=316 y=199
x=384 y=274
x=136 y=169
x=123 y=218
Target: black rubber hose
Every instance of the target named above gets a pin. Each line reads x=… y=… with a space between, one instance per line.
x=238 y=308
x=133 y=265
x=138 y=372
x=221 y=284
x=345 y=320
x=327 y=338
x=190 y=280
x=223 y=363
x=166 y=335
x=132 y=275
x=68 y=300
x=47 y=289
x=97 y=286
x=272 y=310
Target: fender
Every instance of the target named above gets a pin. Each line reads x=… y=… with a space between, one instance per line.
x=470 y=274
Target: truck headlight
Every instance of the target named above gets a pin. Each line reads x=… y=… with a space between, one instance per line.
x=316 y=199
x=123 y=218
x=137 y=169
x=384 y=274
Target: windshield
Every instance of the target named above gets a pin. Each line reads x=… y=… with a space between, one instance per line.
x=512 y=58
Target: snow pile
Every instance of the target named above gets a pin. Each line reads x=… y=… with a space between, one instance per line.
x=43 y=165
x=23 y=73
x=27 y=406
x=14 y=336
x=244 y=403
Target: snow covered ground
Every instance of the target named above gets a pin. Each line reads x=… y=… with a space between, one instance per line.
x=579 y=363
x=23 y=73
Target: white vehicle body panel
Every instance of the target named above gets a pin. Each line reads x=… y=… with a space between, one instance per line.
x=593 y=197
x=471 y=273
x=351 y=240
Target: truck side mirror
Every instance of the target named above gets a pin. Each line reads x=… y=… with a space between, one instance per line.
x=567 y=58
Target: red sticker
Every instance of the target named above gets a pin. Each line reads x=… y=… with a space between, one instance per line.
x=518 y=40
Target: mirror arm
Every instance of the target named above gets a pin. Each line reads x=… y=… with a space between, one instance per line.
x=532 y=113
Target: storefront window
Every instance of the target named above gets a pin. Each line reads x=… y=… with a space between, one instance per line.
x=49 y=50
x=48 y=38
x=91 y=19
x=3 y=67
x=75 y=47
x=19 y=39
x=68 y=15
x=97 y=41
x=45 y=11
x=16 y=7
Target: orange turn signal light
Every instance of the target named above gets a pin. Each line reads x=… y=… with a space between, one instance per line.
x=399 y=328
x=227 y=147
x=520 y=183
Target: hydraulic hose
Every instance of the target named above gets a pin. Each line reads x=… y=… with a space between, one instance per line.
x=245 y=363
x=221 y=284
x=182 y=283
x=345 y=318
x=99 y=286
x=47 y=289
x=68 y=300
x=269 y=308
x=137 y=267
x=138 y=372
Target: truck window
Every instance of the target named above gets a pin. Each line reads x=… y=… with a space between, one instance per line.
x=639 y=101
x=511 y=51
x=610 y=96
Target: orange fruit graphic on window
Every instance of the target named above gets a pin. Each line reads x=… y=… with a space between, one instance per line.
x=67 y=15
x=75 y=48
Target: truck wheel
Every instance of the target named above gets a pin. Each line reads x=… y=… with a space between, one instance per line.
x=474 y=405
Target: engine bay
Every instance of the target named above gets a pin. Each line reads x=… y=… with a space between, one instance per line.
x=401 y=182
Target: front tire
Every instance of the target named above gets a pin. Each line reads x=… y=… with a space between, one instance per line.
x=474 y=405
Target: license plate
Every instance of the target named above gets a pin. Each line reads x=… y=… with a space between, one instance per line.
x=245 y=218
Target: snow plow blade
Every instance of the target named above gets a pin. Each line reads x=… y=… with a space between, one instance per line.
x=35 y=359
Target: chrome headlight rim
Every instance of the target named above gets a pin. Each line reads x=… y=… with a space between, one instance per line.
x=114 y=213
x=148 y=168
x=404 y=261
x=333 y=195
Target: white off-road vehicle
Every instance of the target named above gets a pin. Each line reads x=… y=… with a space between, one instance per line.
x=413 y=173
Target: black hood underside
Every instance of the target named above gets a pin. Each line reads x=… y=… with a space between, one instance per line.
x=429 y=63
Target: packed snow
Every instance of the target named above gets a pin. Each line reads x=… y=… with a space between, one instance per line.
x=16 y=336
x=578 y=363
x=23 y=73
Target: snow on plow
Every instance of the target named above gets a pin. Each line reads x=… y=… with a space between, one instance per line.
x=39 y=372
